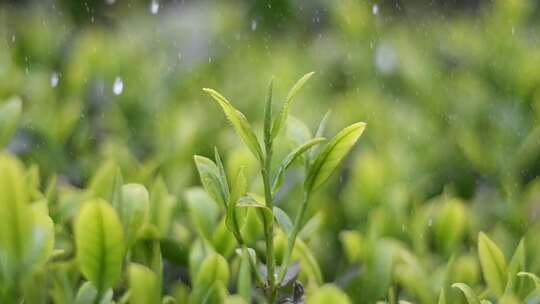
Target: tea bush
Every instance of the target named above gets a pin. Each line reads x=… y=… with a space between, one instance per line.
x=101 y=114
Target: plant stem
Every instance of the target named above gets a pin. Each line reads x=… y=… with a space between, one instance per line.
x=292 y=237
x=269 y=226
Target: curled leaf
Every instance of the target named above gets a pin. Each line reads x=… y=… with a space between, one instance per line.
x=470 y=295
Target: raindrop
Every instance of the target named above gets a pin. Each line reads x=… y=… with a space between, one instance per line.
x=385 y=58
x=430 y=222
x=513 y=31
x=12 y=38
x=375 y=9
x=55 y=78
x=154 y=7
x=118 y=86
x=110 y=2
x=179 y=55
x=253 y=25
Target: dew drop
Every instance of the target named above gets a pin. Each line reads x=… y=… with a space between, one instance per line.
x=375 y=9
x=55 y=78
x=118 y=86
x=154 y=7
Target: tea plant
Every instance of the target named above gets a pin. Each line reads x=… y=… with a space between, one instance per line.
x=233 y=196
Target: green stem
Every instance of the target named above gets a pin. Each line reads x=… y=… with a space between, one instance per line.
x=294 y=234
x=269 y=226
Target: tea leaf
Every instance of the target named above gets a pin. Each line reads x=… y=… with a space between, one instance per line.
x=239 y=189
x=10 y=113
x=244 y=284
x=268 y=116
x=161 y=204
x=330 y=157
x=214 y=269
x=143 y=285
x=517 y=264
x=222 y=176
x=210 y=179
x=100 y=244
x=249 y=202
x=133 y=210
x=283 y=220
x=320 y=130
x=282 y=118
x=15 y=214
x=470 y=295
x=533 y=277
x=328 y=294
x=493 y=264
x=239 y=122
x=87 y=294
x=289 y=160
x=442 y=297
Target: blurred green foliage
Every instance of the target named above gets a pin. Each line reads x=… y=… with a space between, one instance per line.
x=452 y=99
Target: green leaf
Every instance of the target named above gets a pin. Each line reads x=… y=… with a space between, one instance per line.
x=222 y=176
x=332 y=154
x=15 y=216
x=289 y=160
x=470 y=295
x=244 y=284
x=161 y=205
x=87 y=294
x=104 y=180
x=210 y=179
x=493 y=264
x=320 y=130
x=283 y=220
x=144 y=285
x=533 y=277
x=328 y=294
x=517 y=264
x=239 y=122
x=268 y=116
x=214 y=268
x=203 y=212
x=132 y=210
x=100 y=245
x=10 y=113
x=282 y=118
x=442 y=297
x=249 y=201
x=234 y=220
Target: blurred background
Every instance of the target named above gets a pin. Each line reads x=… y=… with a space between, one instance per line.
x=450 y=91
